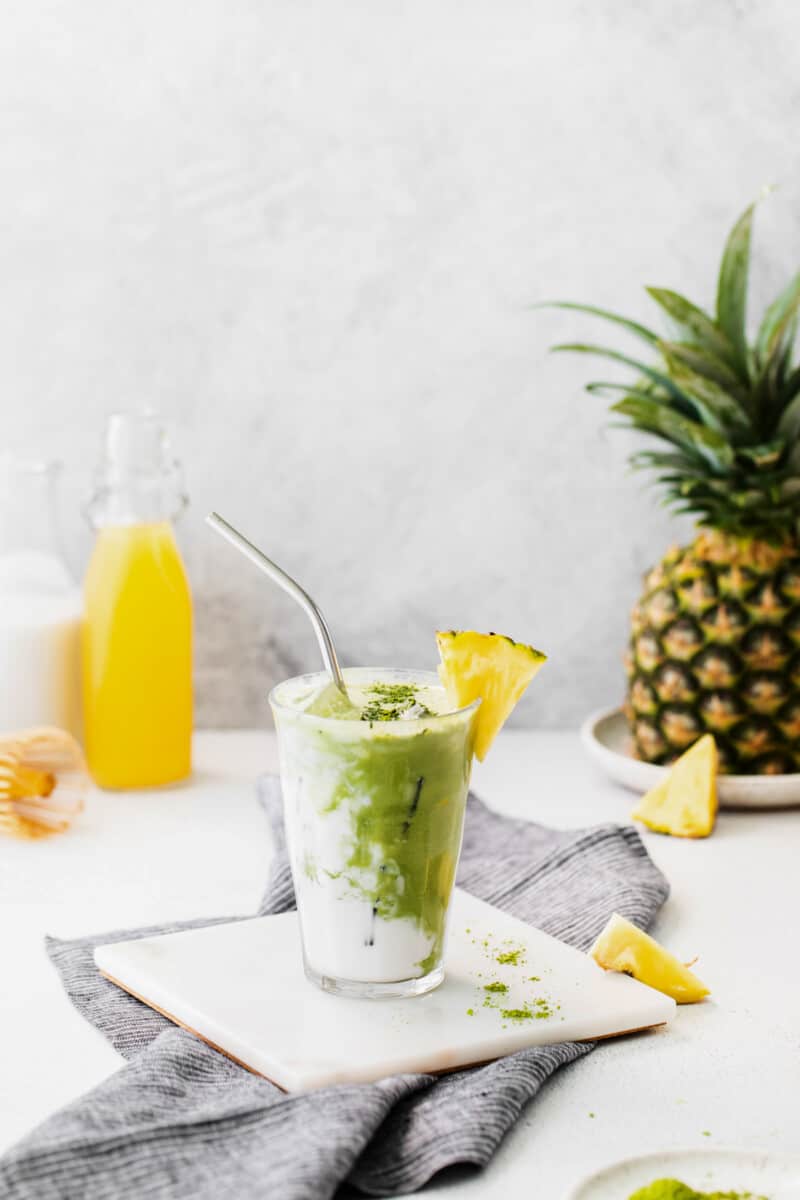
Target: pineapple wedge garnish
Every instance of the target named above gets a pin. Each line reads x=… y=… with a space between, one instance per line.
x=625 y=948
x=685 y=803
x=488 y=667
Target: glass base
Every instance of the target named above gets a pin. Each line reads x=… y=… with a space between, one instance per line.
x=361 y=990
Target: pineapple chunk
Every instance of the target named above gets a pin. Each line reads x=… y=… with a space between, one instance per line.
x=625 y=948
x=685 y=803
x=489 y=667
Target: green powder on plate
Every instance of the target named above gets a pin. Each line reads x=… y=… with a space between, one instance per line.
x=674 y=1189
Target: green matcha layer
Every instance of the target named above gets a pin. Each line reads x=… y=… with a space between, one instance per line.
x=405 y=803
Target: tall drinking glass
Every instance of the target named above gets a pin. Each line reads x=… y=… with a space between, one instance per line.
x=374 y=814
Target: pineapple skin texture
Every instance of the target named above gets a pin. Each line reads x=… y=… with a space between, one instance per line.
x=715 y=648
x=624 y=947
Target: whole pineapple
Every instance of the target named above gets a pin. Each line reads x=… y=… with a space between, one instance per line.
x=715 y=637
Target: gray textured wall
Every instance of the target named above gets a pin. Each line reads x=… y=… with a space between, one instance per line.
x=309 y=233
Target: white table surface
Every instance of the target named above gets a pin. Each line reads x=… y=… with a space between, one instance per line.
x=726 y=1072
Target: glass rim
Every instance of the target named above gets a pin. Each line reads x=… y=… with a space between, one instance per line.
x=375 y=672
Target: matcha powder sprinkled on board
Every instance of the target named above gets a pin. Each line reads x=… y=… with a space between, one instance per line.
x=509 y=958
x=517 y=1014
x=536 y=1011
x=498 y=987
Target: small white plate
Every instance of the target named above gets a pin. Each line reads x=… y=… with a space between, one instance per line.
x=775 y=1176
x=608 y=741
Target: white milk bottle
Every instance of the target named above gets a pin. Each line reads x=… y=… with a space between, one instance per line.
x=40 y=605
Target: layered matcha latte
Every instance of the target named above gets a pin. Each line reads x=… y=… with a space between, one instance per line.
x=374 y=795
x=374 y=787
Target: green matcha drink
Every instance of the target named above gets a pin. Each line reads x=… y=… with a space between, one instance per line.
x=374 y=793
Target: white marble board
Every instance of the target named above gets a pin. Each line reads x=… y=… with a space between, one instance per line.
x=241 y=987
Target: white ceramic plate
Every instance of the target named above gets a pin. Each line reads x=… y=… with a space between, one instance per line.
x=775 y=1176
x=608 y=741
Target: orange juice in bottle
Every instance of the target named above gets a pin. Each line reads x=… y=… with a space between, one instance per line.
x=137 y=627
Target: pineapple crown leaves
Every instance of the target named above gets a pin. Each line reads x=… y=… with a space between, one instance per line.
x=728 y=409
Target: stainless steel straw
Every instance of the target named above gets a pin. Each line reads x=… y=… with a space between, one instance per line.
x=289 y=585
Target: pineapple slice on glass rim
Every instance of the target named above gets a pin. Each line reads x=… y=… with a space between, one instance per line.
x=488 y=667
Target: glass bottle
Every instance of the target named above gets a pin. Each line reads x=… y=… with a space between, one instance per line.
x=137 y=629
x=40 y=604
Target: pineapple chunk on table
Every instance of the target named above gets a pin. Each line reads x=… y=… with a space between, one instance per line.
x=624 y=947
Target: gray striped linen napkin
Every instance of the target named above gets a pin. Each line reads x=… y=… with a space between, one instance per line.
x=181 y=1120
